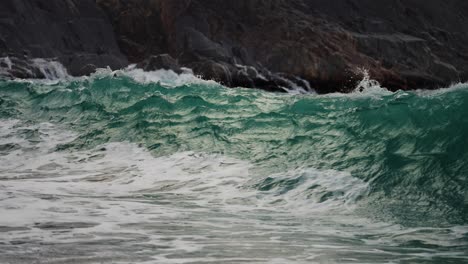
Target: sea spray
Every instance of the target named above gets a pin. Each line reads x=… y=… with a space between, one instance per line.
x=48 y=70
x=52 y=70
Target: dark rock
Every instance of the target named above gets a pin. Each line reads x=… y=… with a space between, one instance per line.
x=163 y=61
x=88 y=69
x=137 y=26
x=19 y=68
x=26 y=68
x=403 y=44
x=73 y=31
x=212 y=70
x=76 y=62
x=198 y=46
x=267 y=44
x=242 y=79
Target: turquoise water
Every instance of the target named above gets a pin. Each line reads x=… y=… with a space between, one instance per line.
x=128 y=167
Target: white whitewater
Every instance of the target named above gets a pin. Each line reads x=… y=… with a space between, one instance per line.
x=52 y=70
x=120 y=202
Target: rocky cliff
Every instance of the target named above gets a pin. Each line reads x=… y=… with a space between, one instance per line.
x=75 y=32
x=268 y=44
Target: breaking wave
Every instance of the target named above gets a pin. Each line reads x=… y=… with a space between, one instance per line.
x=135 y=151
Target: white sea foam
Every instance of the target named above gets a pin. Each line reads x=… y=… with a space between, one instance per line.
x=55 y=72
x=120 y=201
x=7 y=62
x=52 y=70
x=452 y=88
x=317 y=190
x=293 y=88
x=167 y=78
x=5 y=65
x=369 y=87
x=119 y=169
x=122 y=192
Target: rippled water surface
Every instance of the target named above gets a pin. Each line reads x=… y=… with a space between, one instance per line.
x=133 y=167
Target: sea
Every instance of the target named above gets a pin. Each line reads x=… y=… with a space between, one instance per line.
x=156 y=167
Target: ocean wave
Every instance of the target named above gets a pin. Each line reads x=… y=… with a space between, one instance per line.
x=409 y=147
x=54 y=72
x=182 y=166
x=121 y=194
x=125 y=169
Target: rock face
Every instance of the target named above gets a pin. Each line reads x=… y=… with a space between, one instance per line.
x=403 y=44
x=75 y=32
x=162 y=61
x=267 y=44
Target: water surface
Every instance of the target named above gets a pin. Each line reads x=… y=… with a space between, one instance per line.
x=133 y=167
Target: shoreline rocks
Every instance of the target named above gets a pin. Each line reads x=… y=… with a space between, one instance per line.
x=76 y=33
x=272 y=45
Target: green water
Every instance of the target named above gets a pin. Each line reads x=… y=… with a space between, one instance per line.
x=409 y=148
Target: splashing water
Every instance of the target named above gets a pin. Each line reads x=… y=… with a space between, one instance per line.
x=52 y=70
x=6 y=63
x=134 y=167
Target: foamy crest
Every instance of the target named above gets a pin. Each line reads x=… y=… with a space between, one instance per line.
x=167 y=78
x=369 y=87
x=5 y=63
x=35 y=168
x=52 y=70
x=119 y=193
x=311 y=190
x=453 y=88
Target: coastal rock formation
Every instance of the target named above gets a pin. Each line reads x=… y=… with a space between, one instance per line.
x=76 y=33
x=268 y=44
x=403 y=45
x=162 y=61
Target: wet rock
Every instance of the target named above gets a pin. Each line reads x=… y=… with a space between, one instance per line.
x=27 y=68
x=83 y=64
x=322 y=44
x=163 y=61
x=242 y=79
x=64 y=30
x=13 y=67
x=403 y=45
x=87 y=70
x=212 y=70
